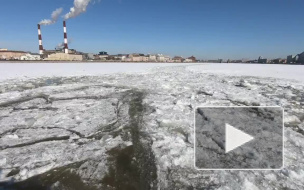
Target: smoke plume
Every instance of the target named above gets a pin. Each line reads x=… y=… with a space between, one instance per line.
x=80 y=6
x=54 y=17
x=61 y=45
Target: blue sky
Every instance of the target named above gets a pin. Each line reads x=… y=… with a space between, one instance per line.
x=207 y=29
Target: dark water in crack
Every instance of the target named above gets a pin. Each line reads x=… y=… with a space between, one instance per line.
x=134 y=167
x=123 y=173
x=129 y=168
x=63 y=178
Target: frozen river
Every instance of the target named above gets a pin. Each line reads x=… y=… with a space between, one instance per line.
x=30 y=70
x=96 y=126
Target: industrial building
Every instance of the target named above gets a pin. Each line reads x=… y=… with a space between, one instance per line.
x=262 y=60
x=30 y=57
x=6 y=54
x=59 y=54
x=63 y=57
x=299 y=58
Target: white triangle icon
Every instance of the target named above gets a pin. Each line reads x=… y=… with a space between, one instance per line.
x=235 y=138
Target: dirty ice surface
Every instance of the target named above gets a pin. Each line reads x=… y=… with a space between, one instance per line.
x=135 y=130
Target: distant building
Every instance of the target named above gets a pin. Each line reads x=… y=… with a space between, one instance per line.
x=123 y=57
x=118 y=57
x=177 y=59
x=103 y=53
x=262 y=60
x=279 y=61
x=193 y=59
x=30 y=57
x=187 y=60
x=64 y=57
x=299 y=58
x=168 y=59
x=73 y=51
x=160 y=58
x=215 y=61
x=11 y=55
x=103 y=56
x=152 y=58
x=236 y=61
x=127 y=59
x=111 y=58
x=90 y=56
x=96 y=57
x=145 y=58
x=290 y=59
x=136 y=57
x=252 y=61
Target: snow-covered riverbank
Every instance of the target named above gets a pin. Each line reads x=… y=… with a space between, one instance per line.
x=135 y=129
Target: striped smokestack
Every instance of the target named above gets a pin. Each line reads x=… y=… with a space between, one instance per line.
x=40 y=40
x=66 y=49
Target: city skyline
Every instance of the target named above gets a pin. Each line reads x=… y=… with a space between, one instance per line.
x=207 y=30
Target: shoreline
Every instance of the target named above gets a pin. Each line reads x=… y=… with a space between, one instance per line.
x=79 y=62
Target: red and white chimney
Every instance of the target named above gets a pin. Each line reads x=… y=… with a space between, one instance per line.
x=66 y=49
x=40 y=40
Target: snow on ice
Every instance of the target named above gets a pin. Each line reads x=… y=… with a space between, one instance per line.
x=135 y=129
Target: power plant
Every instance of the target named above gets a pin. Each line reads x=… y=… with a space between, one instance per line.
x=59 y=54
x=40 y=40
x=65 y=36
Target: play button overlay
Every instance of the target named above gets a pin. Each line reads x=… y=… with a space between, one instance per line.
x=235 y=138
x=238 y=138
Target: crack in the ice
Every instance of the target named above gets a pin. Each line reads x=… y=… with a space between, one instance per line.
x=24 y=99
x=36 y=108
x=142 y=174
x=66 y=137
x=69 y=130
x=201 y=113
x=98 y=135
x=204 y=93
x=80 y=97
